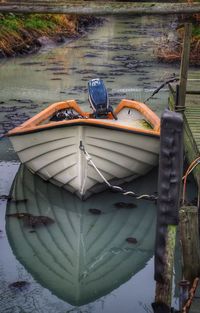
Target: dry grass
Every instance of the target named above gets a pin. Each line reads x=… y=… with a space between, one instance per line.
x=171 y=51
x=19 y=33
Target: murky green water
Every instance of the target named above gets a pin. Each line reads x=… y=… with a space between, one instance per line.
x=121 y=52
x=81 y=258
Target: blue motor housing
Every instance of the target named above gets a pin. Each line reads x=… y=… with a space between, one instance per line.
x=98 y=98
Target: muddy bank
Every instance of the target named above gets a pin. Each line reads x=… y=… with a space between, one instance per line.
x=26 y=34
x=169 y=50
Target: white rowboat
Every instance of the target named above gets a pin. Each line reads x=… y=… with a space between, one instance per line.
x=122 y=149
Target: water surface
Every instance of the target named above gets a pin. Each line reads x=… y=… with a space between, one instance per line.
x=122 y=52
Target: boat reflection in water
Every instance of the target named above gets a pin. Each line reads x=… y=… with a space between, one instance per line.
x=80 y=250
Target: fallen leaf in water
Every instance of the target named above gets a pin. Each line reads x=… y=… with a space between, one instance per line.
x=125 y=205
x=37 y=221
x=31 y=220
x=95 y=211
x=20 y=285
x=19 y=215
x=131 y=240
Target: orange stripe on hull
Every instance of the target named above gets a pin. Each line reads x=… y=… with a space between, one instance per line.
x=36 y=123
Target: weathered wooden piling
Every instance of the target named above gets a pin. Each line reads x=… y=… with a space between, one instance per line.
x=189 y=237
x=189 y=216
x=180 y=106
x=184 y=287
x=188 y=102
x=170 y=175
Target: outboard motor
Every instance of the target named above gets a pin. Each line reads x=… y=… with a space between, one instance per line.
x=98 y=98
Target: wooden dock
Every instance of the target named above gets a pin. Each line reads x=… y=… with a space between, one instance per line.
x=192 y=131
x=186 y=99
x=191 y=116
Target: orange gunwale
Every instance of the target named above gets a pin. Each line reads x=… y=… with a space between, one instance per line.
x=34 y=124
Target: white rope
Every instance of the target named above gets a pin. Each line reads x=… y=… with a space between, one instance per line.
x=89 y=160
x=115 y=188
x=85 y=179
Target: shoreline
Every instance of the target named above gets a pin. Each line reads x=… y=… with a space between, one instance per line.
x=170 y=50
x=22 y=35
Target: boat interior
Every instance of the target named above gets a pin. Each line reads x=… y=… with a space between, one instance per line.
x=128 y=113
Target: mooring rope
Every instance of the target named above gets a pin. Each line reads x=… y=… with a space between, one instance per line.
x=170 y=80
x=190 y=168
x=110 y=186
x=192 y=292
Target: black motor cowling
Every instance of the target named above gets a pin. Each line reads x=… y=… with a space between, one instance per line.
x=98 y=98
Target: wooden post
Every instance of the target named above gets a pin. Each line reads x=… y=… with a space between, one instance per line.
x=170 y=175
x=189 y=236
x=164 y=289
x=184 y=67
x=184 y=287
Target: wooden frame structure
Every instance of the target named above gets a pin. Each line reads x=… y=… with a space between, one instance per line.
x=97 y=7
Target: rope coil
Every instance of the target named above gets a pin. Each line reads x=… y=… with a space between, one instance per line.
x=110 y=186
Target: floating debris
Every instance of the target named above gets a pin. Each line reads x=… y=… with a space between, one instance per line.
x=56 y=62
x=19 y=285
x=31 y=220
x=125 y=205
x=121 y=58
x=90 y=55
x=55 y=68
x=37 y=221
x=131 y=240
x=60 y=73
x=95 y=211
x=17 y=200
x=19 y=215
x=32 y=63
x=5 y=197
x=23 y=100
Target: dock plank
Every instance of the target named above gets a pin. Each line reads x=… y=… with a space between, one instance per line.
x=192 y=133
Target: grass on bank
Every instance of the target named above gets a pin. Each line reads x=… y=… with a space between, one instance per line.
x=18 y=32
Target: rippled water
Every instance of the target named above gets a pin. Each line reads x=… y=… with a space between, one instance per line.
x=122 y=53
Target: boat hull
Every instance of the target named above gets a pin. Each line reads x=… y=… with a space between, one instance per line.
x=82 y=256
x=54 y=154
